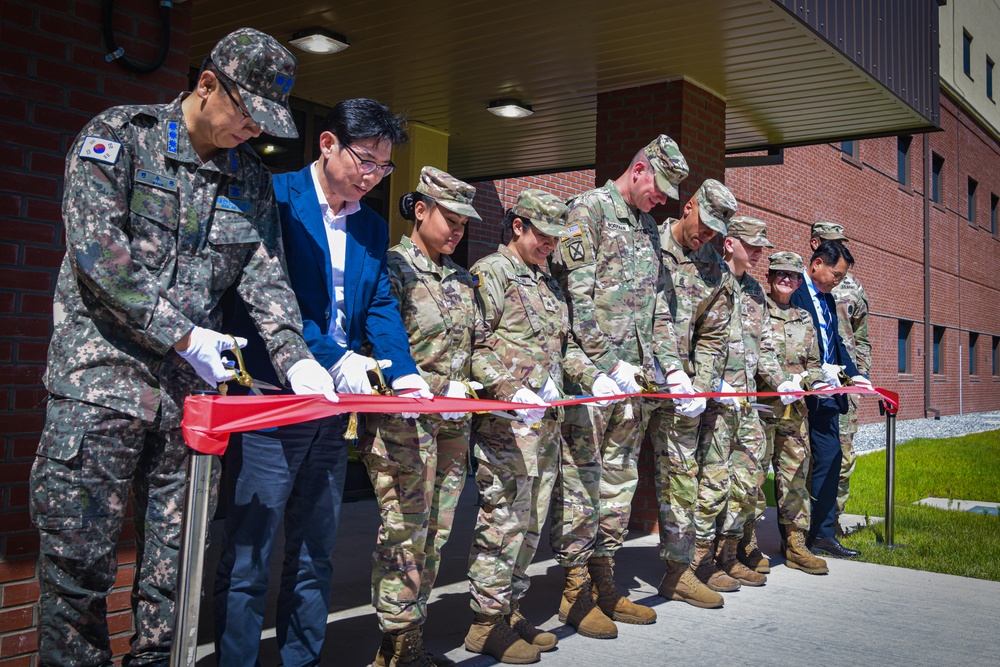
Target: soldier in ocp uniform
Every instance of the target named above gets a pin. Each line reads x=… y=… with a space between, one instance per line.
x=852 y=318
x=165 y=208
x=733 y=421
x=518 y=464
x=609 y=268
x=797 y=347
x=418 y=463
x=701 y=303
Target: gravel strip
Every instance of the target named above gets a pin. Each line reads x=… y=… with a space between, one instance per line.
x=871 y=437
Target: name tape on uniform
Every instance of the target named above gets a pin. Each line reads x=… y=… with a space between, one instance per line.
x=156 y=180
x=100 y=149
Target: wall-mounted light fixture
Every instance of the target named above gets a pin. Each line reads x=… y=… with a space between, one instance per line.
x=509 y=108
x=319 y=40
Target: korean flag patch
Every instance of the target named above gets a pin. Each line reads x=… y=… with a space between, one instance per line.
x=100 y=149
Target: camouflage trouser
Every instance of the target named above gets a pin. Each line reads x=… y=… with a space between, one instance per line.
x=848 y=427
x=681 y=463
x=592 y=499
x=88 y=457
x=716 y=434
x=745 y=465
x=418 y=469
x=515 y=505
x=788 y=451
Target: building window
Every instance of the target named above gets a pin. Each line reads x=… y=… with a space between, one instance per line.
x=994 y=204
x=938 y=350
x=967 y=54
x=903 y=160
x=973 y=353
x=996 y=355
x=937 y=167
x=850 y=148
x=989 y=78
x=972 y=200
x=905 y=328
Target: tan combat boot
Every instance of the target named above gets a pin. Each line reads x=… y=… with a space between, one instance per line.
x=798 y=556
x=543 y=641
x=728 y=563
x=704 y=568
x=615 y=606
x=749 y=553
x=404 y=648
x=679 y=583
x=491 y=635
x=578 y=609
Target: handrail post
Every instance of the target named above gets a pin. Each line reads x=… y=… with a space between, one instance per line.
x=890 y=476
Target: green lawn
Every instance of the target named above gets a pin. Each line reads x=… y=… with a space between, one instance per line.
x=952 y=542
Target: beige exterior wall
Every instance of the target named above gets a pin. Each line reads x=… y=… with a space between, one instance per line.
x=981 y=20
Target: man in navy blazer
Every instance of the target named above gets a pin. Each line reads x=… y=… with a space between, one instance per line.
x=827 y=267
x=335 y=253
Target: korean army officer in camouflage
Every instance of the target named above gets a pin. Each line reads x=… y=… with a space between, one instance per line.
x=164 y=208
x=518 y=464
x=610 y=270
x=701 y=304
x=786 y=428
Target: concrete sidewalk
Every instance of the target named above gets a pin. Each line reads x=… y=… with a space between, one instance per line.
x=859 y=614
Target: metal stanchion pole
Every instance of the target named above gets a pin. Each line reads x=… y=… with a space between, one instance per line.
x=191 y=561
x=890 y=476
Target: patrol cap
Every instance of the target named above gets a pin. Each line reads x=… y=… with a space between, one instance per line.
x=543 y=210
x=448 y=191
x=716 y=205
x=669 y=165
x=264 y=71
x=828 y=231
x=786 y=261
x=749 y=230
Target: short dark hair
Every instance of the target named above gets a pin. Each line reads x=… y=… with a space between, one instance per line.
x=408 y=202
x=363 y=118
x=831 y=252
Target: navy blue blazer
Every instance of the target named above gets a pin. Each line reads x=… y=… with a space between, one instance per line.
x=372 y=313
x=803 y=299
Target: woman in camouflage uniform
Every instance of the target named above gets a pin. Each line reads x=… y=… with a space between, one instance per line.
x=418 y=465
x=787 y=430
x=518 y=462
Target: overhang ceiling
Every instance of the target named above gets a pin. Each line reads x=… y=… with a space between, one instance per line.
x=442 y=62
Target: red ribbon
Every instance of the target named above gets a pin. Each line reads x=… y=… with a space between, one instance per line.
x=208 y=420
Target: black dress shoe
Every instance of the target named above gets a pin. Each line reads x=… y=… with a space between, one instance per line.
x=829 y=546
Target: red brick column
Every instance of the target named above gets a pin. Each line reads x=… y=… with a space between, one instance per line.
x=626 y=121
x=54 y=78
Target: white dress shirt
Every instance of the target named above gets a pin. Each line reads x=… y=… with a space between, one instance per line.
x=336 y=237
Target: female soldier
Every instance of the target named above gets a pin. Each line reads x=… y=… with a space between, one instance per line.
x=528 y=315
x=787 y=430
x=418 y=466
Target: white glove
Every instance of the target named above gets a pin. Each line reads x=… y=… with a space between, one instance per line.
x=830 y=372
x=350 y=373
x=549 y=390
x=530 y=416
x=679 y=382
x=794 y=384
x=307 y=376
x=204 y=353
x=624 y=376
x=690 y=407
x=458 y=389
x=605 y=386
x=418 y=389
x=726 y=388
x=862 y=381
x=821 y=386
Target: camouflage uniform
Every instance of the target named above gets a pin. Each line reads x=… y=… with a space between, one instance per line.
x=700 y=303
x=527 y=312
x=797 y=348
x=154 y=237
x=418 y=466
x=610 y=271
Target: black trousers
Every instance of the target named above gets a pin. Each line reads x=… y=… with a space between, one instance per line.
x=824 y=441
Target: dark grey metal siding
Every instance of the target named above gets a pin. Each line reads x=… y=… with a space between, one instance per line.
x=895 y=41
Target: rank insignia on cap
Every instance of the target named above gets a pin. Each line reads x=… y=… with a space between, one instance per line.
x=100 y=149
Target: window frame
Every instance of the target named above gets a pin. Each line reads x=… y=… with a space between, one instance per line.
x=937 y=351
x=937 y=179
x=990 y=66
x=973 y=353
x=970 y=203
x=967 y=53
x=904 y=346
x=904 y=143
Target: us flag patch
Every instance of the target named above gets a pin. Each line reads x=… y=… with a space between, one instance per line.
x=100 y=149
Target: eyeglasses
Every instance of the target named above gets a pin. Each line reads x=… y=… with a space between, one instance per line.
x=787 y=275
x=367 y=166
x=239 y=107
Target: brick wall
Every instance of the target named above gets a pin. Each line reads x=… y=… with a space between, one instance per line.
x=54 y=79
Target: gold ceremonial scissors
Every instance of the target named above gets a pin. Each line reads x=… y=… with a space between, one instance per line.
x=243 y=378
